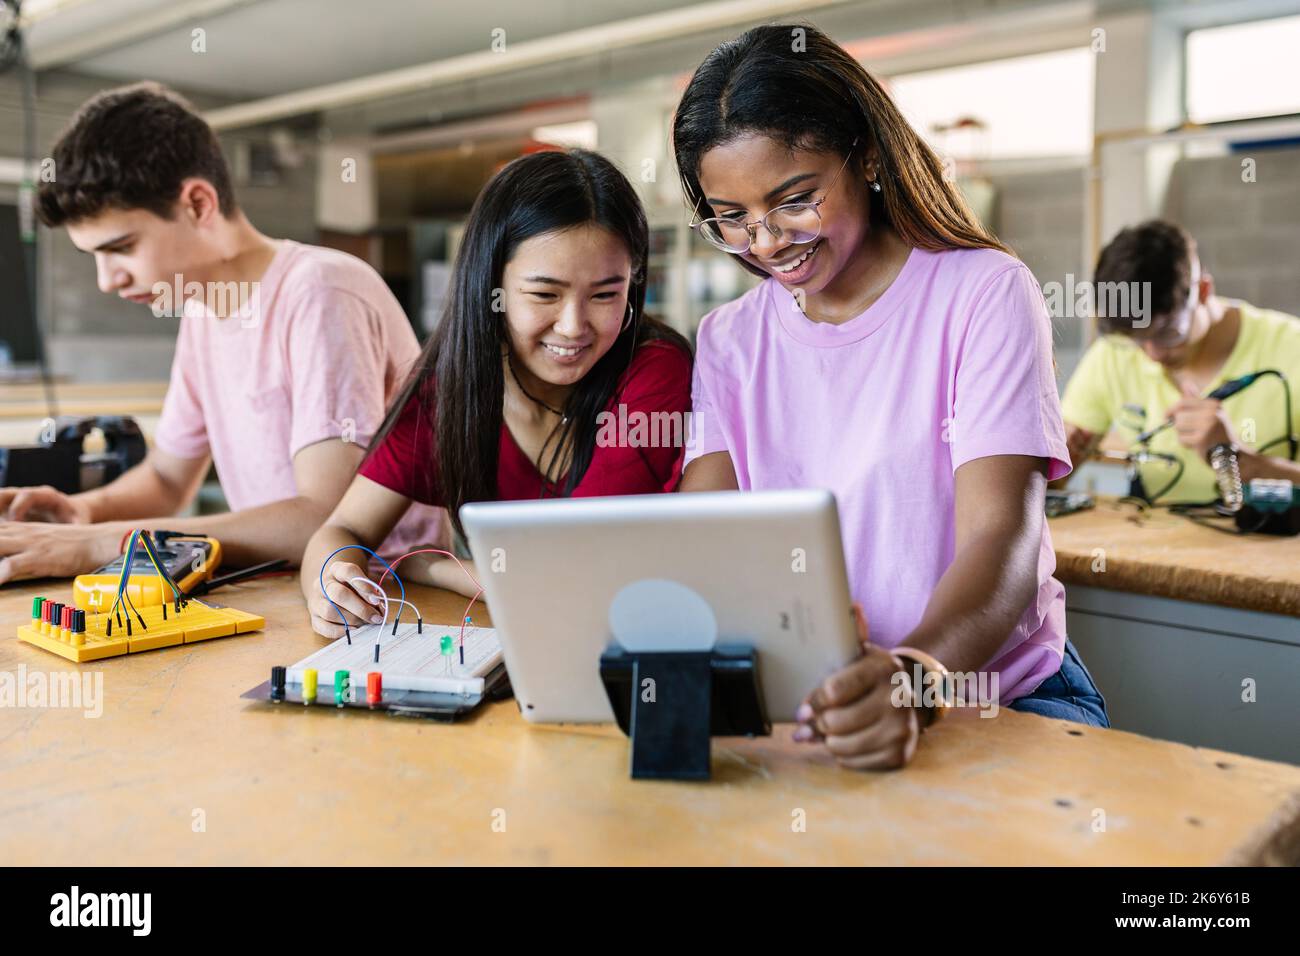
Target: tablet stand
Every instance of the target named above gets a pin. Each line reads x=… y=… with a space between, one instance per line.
x=670 y=703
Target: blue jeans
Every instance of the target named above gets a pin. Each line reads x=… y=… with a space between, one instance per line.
x=1069 y=694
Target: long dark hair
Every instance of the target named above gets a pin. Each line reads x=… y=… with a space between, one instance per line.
x=793 y=83
x=535 y=194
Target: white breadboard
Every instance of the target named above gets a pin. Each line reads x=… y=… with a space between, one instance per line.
x=407 y=660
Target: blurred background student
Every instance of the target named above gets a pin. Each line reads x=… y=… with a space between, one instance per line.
x=1164 y=363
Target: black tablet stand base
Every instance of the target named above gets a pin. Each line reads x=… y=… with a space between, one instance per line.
x=671 y=702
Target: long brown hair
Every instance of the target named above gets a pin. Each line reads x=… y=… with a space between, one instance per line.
x=459 y=380
x=794 y=84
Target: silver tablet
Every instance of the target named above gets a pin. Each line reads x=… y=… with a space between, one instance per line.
x=565 y=578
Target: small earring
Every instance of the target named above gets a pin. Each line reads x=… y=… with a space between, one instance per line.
x=875 y=185
x=631 y=317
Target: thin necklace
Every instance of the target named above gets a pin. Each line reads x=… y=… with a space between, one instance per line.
x=564 y=419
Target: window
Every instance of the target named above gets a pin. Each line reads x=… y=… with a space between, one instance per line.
x=577 y=135
x=1028 y=106
x=1244 y=70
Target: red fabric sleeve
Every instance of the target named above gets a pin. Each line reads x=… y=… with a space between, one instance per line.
x=404 y=461
x=647 y=421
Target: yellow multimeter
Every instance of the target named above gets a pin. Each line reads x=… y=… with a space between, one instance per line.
x=190 y=560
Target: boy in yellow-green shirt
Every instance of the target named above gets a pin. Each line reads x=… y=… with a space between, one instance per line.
x=1160 y=360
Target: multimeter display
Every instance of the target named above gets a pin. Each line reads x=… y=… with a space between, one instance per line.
x=189 y=559
x=177 y=560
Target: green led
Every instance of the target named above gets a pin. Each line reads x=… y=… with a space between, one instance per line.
x=340 y=687
x=445 y=644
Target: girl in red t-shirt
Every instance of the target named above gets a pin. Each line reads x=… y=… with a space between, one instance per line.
x=542 y=354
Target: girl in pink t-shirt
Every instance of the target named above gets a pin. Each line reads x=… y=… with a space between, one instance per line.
x=900 y=356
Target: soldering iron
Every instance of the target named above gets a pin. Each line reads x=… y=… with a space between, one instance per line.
x=1226 y=390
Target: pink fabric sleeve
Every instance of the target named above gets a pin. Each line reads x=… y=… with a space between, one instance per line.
x=182 y=429
x=705 y=434
x=1004 y=395
x=337 y=372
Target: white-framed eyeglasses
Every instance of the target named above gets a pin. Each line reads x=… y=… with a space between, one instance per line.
x=796 y=222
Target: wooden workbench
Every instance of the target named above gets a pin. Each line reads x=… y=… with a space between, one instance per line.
x=1192 y=635
x=1165 y=555
x=27 y=399
x=23 y=407
x=291 y=785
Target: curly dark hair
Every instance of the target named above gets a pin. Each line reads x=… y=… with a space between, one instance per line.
x=131 y=148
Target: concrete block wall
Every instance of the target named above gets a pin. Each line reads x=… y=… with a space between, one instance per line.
x=1248 y=233
x=1040 y=216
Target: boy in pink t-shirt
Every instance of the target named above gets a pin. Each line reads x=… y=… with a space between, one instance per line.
x=286 y=355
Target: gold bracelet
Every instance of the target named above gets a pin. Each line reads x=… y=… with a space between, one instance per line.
x=927 y=662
